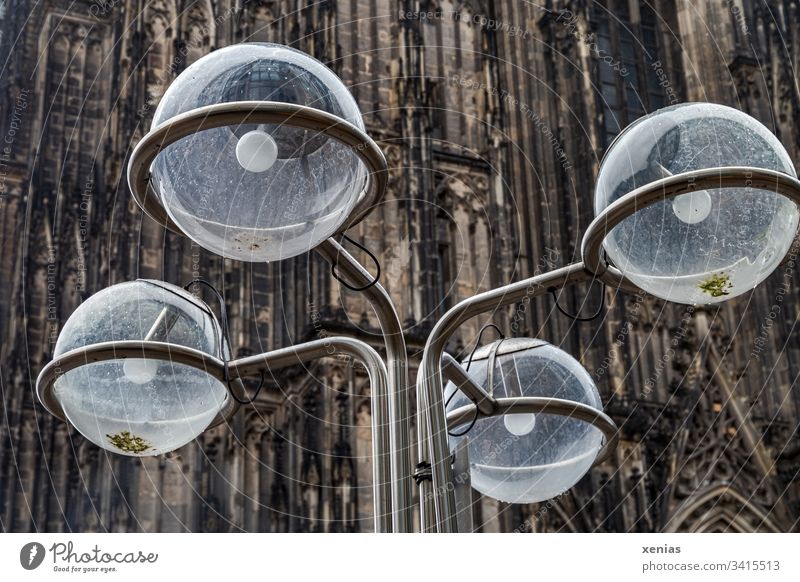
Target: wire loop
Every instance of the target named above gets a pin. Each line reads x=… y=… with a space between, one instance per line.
x=478 y=341
x=600 y=309
x=257 y=392
x=469 y=428
x=469 y=363
x=371 y=256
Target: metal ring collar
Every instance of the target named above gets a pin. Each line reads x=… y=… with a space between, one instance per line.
x=120 y=350
x=666 y=189
x=542 y=405
x=253 y=112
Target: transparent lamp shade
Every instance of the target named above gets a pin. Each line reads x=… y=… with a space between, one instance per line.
x=141 y=406
x=122 y=414
x=258 y=192
x=526 y=458
x=709 y=245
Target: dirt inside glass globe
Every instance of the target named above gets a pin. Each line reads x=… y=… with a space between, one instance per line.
x=140 y=406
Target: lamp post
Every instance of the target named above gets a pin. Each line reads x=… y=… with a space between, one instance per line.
x=258 y=153
x=77 y=369
x=325 y=174
x=736 y=194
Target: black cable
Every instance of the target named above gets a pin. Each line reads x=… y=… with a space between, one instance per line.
x=447 y=403
x=478 y=341
x=223 y=316
x=577 y=317
x=423 y=472
x=371 y=256
x=258 y=391
x=469 y=363
x=474 y=420
x=223 y=313
x=469 y=428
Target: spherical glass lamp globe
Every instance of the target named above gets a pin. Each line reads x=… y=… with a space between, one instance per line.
x=526 y=458
x=139 y=406
x=709 y=245
x=258 y=192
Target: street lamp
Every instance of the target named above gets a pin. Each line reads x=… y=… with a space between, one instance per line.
x=698 y=249
x=142 y=368
x=136 y=404
x=551 y=426
x=711 y=243
x=258 y=153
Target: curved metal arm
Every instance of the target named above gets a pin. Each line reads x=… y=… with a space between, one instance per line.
x=489 y=406
x=120 y=350
x=671 y=187
x=539 y=405
x=381 y=471
x=397 y=364
x=431 y=421
x=251 y=365
x=241 y=112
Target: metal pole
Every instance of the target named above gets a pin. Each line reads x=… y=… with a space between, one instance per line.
x=462 y=487
x=433 y=431
x=328 y=347
x=397 y=365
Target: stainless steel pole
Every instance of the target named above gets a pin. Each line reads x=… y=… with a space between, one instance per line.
x=432 y=433
x=328 y=347
x=397 y=365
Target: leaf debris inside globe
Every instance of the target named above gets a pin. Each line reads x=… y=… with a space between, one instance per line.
x=717 y=285
x=129 y=443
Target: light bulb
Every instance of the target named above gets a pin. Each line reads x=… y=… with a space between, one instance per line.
x=256 y=151
x=519 y=424
x=140 y=370
x=693 y=207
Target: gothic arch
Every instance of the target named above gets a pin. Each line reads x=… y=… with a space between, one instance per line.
x=728 y=509
x=465 y=189
x=464 y=255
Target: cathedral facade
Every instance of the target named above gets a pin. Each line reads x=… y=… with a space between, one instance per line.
x=493 y=116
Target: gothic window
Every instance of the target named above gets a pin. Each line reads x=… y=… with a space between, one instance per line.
x=444 y=261
x=630 y=70
x=264 y=24
x=461 y=256
x=453 y=47
x=158 y=19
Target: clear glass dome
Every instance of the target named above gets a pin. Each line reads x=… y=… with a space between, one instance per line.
x=710 y=245
x=526 y=458
x=139 y=406
x=258 y=192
